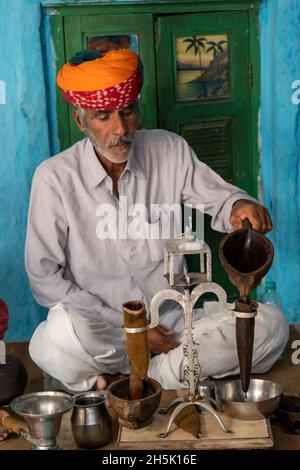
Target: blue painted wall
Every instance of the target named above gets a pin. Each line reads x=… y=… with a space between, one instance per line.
x=26 y=124
x=280 y=136
x=24 y=142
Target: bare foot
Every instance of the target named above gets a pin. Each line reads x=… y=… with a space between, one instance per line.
x=101 y=383
x=104 y=380
x=3 y=431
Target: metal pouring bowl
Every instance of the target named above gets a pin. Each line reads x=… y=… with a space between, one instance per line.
x=263 y=398
x=43 y=413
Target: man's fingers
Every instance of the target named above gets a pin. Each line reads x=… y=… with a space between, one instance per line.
x=257 y=220
x=261 y=220
x=164 y=331
x=236 y=223
x=269 y=221
x=258 y=216
x=158 y=341
x=164 y=347
x=172 y=344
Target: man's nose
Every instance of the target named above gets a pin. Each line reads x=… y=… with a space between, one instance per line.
x=119 y=125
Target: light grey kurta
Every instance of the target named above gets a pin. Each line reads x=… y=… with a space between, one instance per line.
x=66 y=261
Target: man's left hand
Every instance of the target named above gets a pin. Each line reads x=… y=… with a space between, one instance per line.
x=257 y=215
x=159 y=342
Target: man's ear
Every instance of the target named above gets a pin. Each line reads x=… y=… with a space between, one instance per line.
x=77 y=120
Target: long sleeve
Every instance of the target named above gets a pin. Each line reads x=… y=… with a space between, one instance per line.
x=45 y=259
x=203 y=186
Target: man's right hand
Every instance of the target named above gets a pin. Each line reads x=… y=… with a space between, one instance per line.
x=158 y=340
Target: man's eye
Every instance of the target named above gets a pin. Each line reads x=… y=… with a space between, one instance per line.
x=102 y=116
x=127 y=111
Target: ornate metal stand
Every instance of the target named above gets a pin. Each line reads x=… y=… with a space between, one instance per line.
x=188 y=244
x=187 y=300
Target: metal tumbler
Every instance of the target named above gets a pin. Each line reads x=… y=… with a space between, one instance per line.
x=91 y=422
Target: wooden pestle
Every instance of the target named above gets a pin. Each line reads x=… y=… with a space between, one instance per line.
x=135 y=318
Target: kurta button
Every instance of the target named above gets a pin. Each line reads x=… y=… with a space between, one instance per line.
x=132 y=249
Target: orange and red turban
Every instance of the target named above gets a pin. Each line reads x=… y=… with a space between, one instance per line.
x=96 y=80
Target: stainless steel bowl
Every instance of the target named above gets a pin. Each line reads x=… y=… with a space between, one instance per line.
x=263 y=398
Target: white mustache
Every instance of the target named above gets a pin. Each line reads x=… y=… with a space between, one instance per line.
x=127 y=139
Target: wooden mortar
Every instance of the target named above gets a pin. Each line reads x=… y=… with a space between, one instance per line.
x=135 y=399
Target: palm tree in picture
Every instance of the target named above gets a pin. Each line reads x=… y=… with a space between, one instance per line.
x=197 y=44
x=216 y=48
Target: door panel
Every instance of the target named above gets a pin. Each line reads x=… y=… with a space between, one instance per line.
x=204 y=95
x=108 y=32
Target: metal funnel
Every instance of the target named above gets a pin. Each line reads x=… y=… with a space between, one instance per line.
x=43 y=412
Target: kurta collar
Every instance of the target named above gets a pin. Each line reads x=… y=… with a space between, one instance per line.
x=133 y=164
x=95 y=170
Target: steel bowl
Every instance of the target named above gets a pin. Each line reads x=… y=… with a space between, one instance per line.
x=263 y=398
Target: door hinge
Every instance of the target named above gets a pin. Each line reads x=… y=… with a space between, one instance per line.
x=250 y=75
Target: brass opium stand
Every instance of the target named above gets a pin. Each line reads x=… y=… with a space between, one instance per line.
x=246 y=256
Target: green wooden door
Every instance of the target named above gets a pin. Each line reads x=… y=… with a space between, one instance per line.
x=204 y=95
x=116 y=31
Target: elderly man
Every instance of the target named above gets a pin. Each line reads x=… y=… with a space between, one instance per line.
x=84 y=274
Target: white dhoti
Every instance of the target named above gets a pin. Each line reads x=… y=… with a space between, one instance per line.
x=75 y=348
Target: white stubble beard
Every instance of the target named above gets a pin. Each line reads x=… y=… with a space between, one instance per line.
x=102 y=152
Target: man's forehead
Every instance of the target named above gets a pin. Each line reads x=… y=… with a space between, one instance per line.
x=94 y=112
